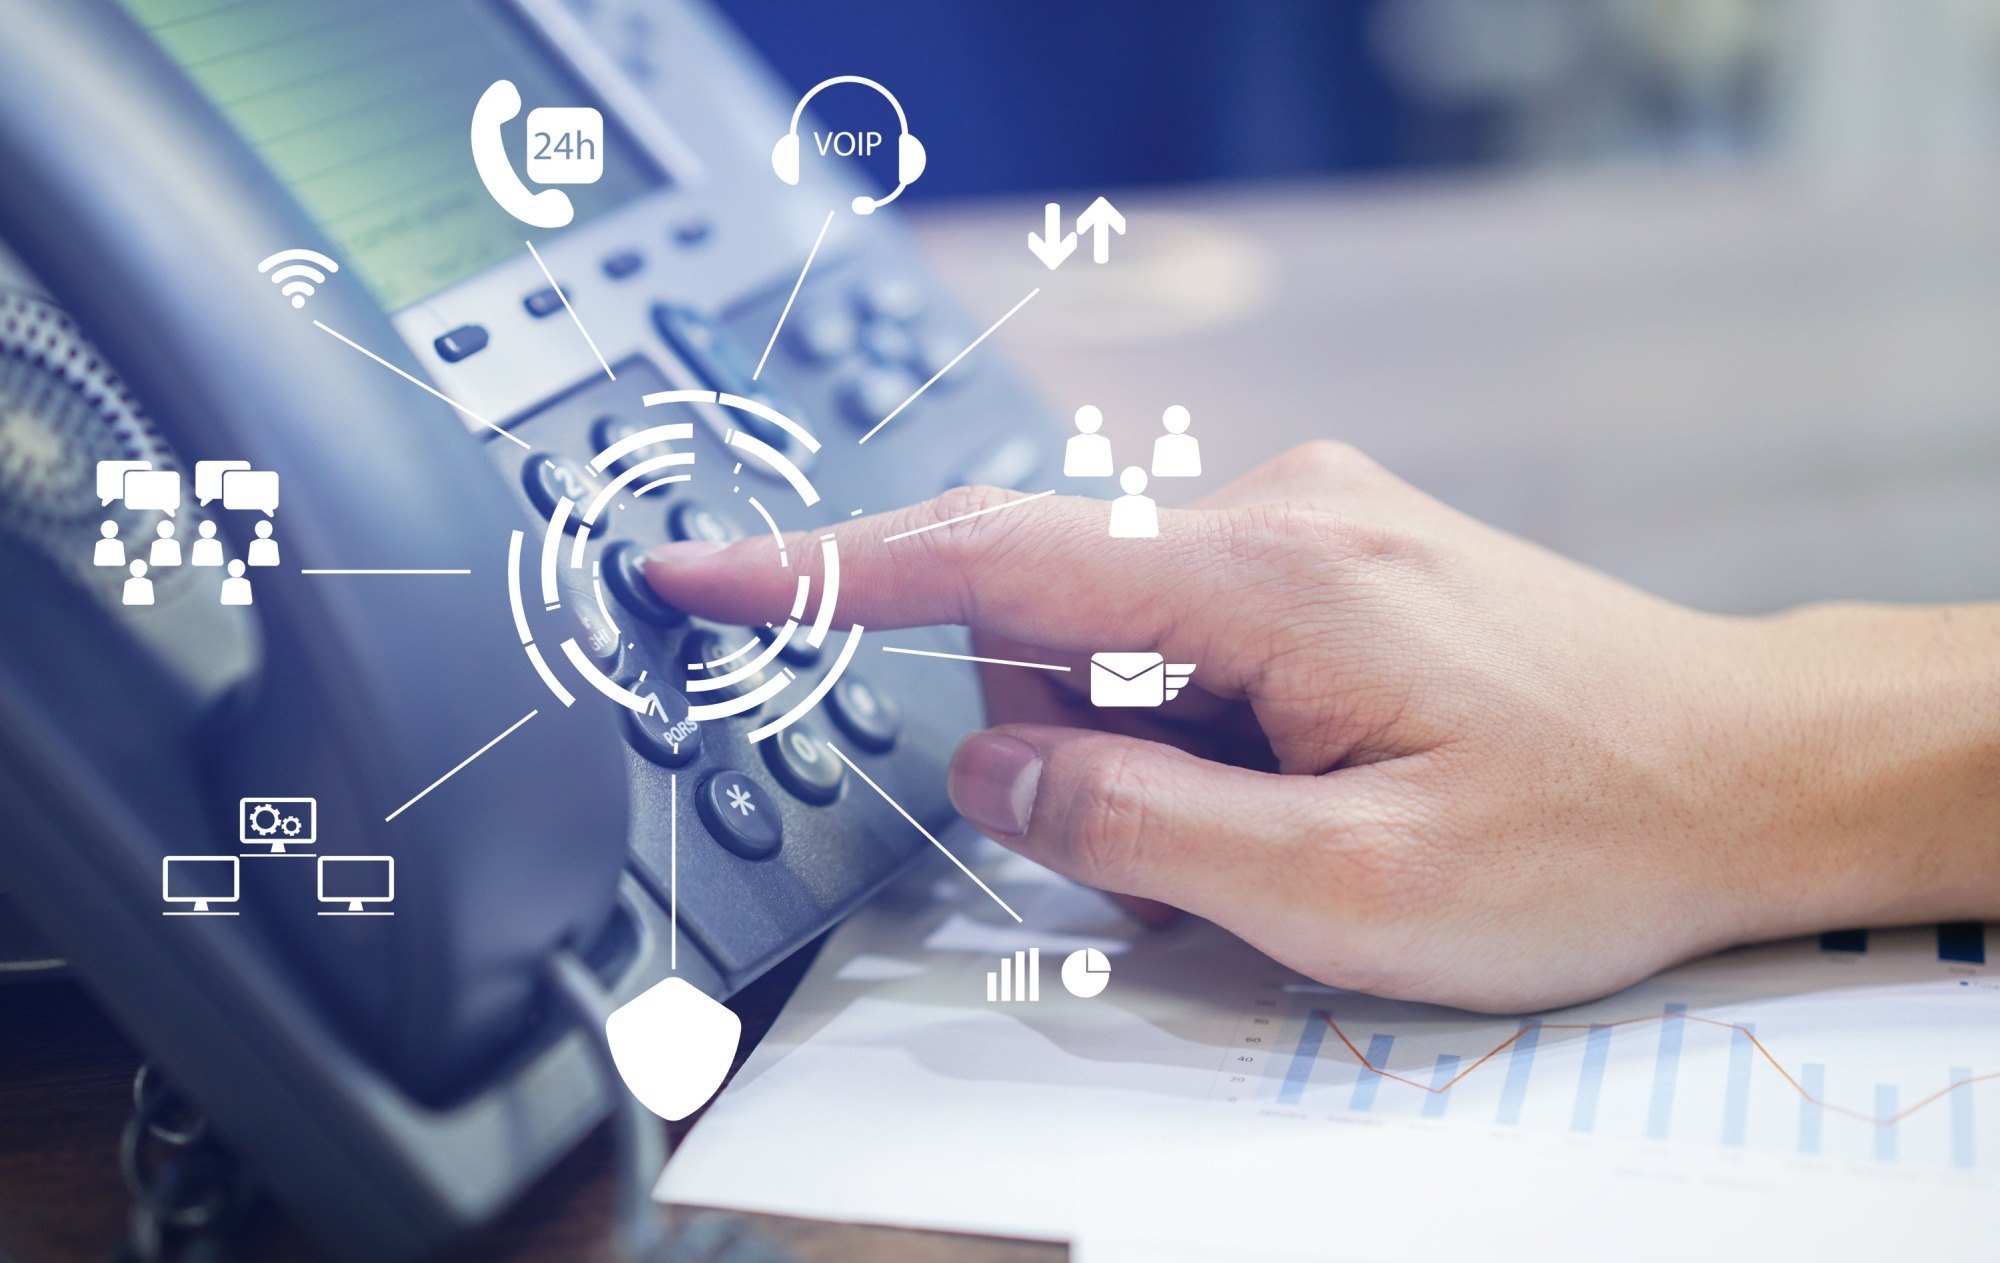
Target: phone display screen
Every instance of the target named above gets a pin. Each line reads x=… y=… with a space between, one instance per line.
x=362 y=108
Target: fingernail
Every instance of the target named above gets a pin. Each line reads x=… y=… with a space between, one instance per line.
x=993 y=782
x=682 y=552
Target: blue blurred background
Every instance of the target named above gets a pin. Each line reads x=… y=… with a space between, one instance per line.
x=1703 y=292
x=1175 y=91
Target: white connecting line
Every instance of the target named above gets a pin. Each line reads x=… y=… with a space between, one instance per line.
x=571 y=310
x=938 y=526
x=385 y=572
x=422 y=384
x=954 y=363
x=794 y=298
x=462 y=766
x=966 y=657
x=920 y=829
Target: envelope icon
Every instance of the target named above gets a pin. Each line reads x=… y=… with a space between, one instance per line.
x=1136 y=679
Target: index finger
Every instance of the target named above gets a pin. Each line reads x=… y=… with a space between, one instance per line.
x=1039 y=569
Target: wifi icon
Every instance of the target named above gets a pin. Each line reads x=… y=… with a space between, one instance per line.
x=297 y=279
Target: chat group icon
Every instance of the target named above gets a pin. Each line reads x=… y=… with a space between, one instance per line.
x=208 y=478
x=139 y=486
x=250 y=489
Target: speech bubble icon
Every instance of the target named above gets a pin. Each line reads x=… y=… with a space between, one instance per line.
x=111 y=478
x=208 y=477
x=154 y=489
x=250 y=489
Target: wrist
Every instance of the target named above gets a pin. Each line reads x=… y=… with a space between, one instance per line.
x=1874 y=767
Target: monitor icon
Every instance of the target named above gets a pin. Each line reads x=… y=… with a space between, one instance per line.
x=277 y=822
x=357 y=881
x=199 y=880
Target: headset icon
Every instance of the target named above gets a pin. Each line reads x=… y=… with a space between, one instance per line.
x=910 y=155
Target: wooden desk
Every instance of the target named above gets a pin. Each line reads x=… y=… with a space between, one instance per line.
x=66 y=1089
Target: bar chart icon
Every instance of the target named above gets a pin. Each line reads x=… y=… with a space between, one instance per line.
x=1018 y=980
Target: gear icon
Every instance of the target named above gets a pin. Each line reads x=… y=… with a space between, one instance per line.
x=264 y=820
x=291 y=826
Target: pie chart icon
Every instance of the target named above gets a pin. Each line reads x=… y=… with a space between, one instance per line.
x=1086 y=972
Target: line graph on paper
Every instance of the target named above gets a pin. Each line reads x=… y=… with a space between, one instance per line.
x=1880 y=1049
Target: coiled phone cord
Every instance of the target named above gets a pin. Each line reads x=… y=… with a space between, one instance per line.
x=188 y=1196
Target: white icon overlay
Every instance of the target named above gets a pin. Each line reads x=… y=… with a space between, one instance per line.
x=673 y=1046
x=1086 y=972
x=277 y=822
x=199 y=880
x=1136 y=679
x=1053 y=246
x=1134 y=515
x=296 y=273
x=568 y=149
x=1088 y=453
x=911 y=157
x=1018 y=980
x=357 y=881
x=141 y=488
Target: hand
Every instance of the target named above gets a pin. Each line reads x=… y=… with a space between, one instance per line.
x=1423 y=758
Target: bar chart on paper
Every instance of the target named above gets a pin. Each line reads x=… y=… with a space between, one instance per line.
x=1879 y=1049
x=1833 y=1097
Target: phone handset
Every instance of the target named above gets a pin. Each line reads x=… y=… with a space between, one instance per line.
x=549 y=208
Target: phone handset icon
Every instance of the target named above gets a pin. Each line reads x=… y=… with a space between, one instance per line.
x=549 y=208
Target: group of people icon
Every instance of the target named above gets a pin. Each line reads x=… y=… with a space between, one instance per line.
x=1176 y=454
x=165 y=552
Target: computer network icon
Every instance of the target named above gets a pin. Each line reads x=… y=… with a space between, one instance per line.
x=357 y=881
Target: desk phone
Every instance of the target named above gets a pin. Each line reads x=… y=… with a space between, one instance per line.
x=396 y=1079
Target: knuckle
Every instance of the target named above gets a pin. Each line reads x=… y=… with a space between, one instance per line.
x=1114 y=809
x=1327 y=459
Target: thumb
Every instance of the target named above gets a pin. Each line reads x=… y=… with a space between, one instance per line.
x=1142 y=818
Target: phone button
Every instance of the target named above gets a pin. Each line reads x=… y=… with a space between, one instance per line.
x=543 y=302
x=888 y=343
x=874 y=393
x=664 y=734
x=871 y=718
x=741 y=814
x=623 y=567
x=804 y=765
x=623 y=264
x=600 y=640
x=890 y=298
x=612 y=428
x=796 y=650
x=691 y=519
x=824 y=332
x=549 y=478
x=461 y=342
x=703 y=648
